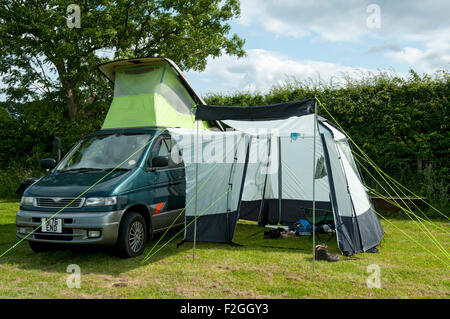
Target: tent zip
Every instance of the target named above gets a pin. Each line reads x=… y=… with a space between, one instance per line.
x=230 y=185
x=261 y=206
x=241 y=191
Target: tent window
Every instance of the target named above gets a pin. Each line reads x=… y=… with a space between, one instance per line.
x=348 y=154
x=174 y=92
x=137 y=81
x=155 y=79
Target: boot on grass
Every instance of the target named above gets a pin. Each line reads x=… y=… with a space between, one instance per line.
x=323 y=254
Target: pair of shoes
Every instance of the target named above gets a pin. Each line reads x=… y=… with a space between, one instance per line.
x=277 y=233
x=273 y=233
x=287 y=234
x=323 y=254
x=372 y=250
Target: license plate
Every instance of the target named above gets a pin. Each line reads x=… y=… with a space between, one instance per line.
x=53 y=225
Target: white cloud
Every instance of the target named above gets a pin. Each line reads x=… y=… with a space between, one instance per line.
x=346 y=20
x=434 y=55
x=332 y=20
x=422 y=25
x=409 y=55
x=260 y=70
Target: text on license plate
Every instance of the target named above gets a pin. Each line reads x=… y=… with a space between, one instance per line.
x=53 y=225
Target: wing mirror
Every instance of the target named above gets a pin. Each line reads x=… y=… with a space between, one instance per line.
x=160 y=161
x=48 y=163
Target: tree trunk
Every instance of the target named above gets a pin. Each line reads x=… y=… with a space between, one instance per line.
x=38 y=158
x=69 y=90
x=72 y=105
x=419 y=165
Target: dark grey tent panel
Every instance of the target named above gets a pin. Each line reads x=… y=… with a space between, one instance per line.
x=370 y=229
x=212 y=228
x=291 y=211
x=278 y=111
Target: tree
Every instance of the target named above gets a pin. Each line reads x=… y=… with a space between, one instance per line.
x=41 y=56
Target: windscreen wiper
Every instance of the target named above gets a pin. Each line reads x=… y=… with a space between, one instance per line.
x=81 y=169
x=116 y=169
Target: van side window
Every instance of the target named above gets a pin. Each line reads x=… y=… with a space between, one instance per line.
x=167 y=147
x=164 y=147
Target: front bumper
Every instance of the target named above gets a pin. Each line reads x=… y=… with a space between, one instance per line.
x=75 y=227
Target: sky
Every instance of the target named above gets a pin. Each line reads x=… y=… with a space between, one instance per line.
x=326 y=40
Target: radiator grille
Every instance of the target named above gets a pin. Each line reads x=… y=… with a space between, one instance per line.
x=59 y=202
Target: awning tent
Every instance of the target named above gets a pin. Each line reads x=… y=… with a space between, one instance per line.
x=275 y=175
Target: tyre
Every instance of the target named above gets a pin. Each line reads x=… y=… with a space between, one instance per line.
x=132 y=235
x=39 y=247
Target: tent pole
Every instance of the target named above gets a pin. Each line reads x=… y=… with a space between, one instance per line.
x=314 y=188
x=280 y=181
x=196 y=189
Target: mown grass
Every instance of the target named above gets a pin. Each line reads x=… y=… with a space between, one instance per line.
x=262 y=268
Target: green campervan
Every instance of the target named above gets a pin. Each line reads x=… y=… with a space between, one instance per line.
x=121 y=185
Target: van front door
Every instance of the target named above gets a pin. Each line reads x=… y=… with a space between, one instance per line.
x=169 y=184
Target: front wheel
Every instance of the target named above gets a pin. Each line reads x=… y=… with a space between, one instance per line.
x=132 y=235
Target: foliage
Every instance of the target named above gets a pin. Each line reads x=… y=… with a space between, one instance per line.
x=436 y=189
x=42 y=58
x=11 y=177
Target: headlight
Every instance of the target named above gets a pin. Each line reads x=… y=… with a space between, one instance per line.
x=101 y=201
x=27 y=201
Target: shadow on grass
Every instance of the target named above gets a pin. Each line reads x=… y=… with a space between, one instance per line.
x=103 y=259
x=91 y=258
x=250 y=237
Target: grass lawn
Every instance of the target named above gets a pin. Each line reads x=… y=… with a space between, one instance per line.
x=256 y=270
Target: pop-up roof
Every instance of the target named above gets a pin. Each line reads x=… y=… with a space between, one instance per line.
x=150 y=92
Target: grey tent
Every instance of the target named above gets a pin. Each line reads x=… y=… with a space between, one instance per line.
x=264 y=171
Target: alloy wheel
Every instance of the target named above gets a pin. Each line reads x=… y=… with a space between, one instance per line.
x=136 y=237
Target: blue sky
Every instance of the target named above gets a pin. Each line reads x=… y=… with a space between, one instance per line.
x=325 y=39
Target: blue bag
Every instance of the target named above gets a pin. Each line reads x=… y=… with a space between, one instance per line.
x=304 y=228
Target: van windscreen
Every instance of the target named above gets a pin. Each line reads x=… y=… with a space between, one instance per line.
x=105 y=152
